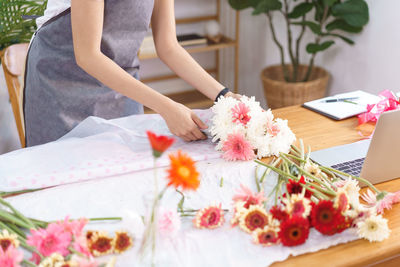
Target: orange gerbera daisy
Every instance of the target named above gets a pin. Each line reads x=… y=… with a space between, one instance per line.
x=182 y=172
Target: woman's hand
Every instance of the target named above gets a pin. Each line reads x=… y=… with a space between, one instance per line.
x=236 y=96
x=184 y=123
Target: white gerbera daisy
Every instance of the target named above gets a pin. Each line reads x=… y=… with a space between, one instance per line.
x=353 y=191
x=373 y=228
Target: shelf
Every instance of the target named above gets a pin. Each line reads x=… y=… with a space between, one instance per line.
x=225 y=42
x=196 y=19
x=193 y=99
x=168 y=77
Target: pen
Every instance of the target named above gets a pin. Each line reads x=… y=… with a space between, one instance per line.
x=339 y=99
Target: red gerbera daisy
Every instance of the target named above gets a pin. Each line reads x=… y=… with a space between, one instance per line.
x=278 y=213
x=294 y=187
x=294 y=231
x=159 y=143
x=325 y=218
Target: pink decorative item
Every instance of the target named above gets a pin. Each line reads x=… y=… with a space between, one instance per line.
x=389 y=102
x=169 y=223
x=236 y=147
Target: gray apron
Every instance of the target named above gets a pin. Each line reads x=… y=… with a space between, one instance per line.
x=58 y=94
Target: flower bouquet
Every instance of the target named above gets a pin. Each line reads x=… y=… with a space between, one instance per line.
x=243 y=130
x=310 y=195
x=52 y=244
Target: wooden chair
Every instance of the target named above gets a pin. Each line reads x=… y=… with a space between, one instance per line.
x=13 y=61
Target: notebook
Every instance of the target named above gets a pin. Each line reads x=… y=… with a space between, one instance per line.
x=341 y=110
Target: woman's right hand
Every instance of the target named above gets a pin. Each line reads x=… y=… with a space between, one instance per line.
x=184 y=123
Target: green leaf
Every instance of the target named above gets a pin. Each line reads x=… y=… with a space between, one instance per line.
x=347 y=40
x=314 y=27
x=329 y=2
x=354 y=12
x=340 y=24
x=300 y=10
x=313 y=48
x=265 y=6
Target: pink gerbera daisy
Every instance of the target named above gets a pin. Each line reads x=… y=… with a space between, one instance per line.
x=75 y=227
x=273 y=129
x=53 y=239
x=236 y=147
x=210 y=217
x=12 y=257
x=382 y=201
x=240 y=113
x=249 y=197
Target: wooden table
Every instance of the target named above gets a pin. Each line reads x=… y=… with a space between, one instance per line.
x=321 y=132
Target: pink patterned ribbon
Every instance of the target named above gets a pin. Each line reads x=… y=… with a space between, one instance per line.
x=389 y=102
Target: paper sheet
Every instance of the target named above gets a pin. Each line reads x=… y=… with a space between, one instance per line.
x=341 y=110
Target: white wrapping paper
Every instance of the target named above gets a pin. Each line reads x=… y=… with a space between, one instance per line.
x=105 y=167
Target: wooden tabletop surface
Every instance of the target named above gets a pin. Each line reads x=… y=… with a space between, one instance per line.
x=321 y=132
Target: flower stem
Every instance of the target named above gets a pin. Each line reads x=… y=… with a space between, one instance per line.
x=328 y=191
x=29 y=263
x=295 y=179
x=17 y=213
x=355 y=177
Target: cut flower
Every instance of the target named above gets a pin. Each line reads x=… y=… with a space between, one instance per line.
x=8 y=239
x=325 y=218
x=236 y=147
x=210 y=217
x=159 y=143
x=267 y=236
x=254 y=218
x=294 y=231
x=122 y=242
x=373 y=228
x=100 y=243
x=182 y=172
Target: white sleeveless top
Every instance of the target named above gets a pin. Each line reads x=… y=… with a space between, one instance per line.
x=54 y=7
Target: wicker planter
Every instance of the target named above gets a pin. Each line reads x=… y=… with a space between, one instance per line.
x=280 y=93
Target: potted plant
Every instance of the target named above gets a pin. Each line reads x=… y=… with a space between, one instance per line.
x=17 y=23
x=295 y=83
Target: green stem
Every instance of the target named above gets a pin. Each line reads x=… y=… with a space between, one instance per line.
x=295 y=179
x=284 y=68
x=17 y=213
x=317 y=40
x=289 y=39
x=29 y=263
x=328 y=191
x=17 y=230
x=12 y=218
x=256 y=180
x=355 y=177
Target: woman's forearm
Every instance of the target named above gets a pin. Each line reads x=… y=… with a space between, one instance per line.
x=182 y=63
x=109 y=73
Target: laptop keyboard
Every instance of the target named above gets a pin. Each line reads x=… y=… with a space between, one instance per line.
x=352 y=167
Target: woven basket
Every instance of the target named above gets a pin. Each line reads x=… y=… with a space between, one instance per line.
x=280 y=93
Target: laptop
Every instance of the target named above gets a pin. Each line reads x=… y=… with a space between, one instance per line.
x=376 y=159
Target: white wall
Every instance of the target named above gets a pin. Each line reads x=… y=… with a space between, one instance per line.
x=372 y=64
